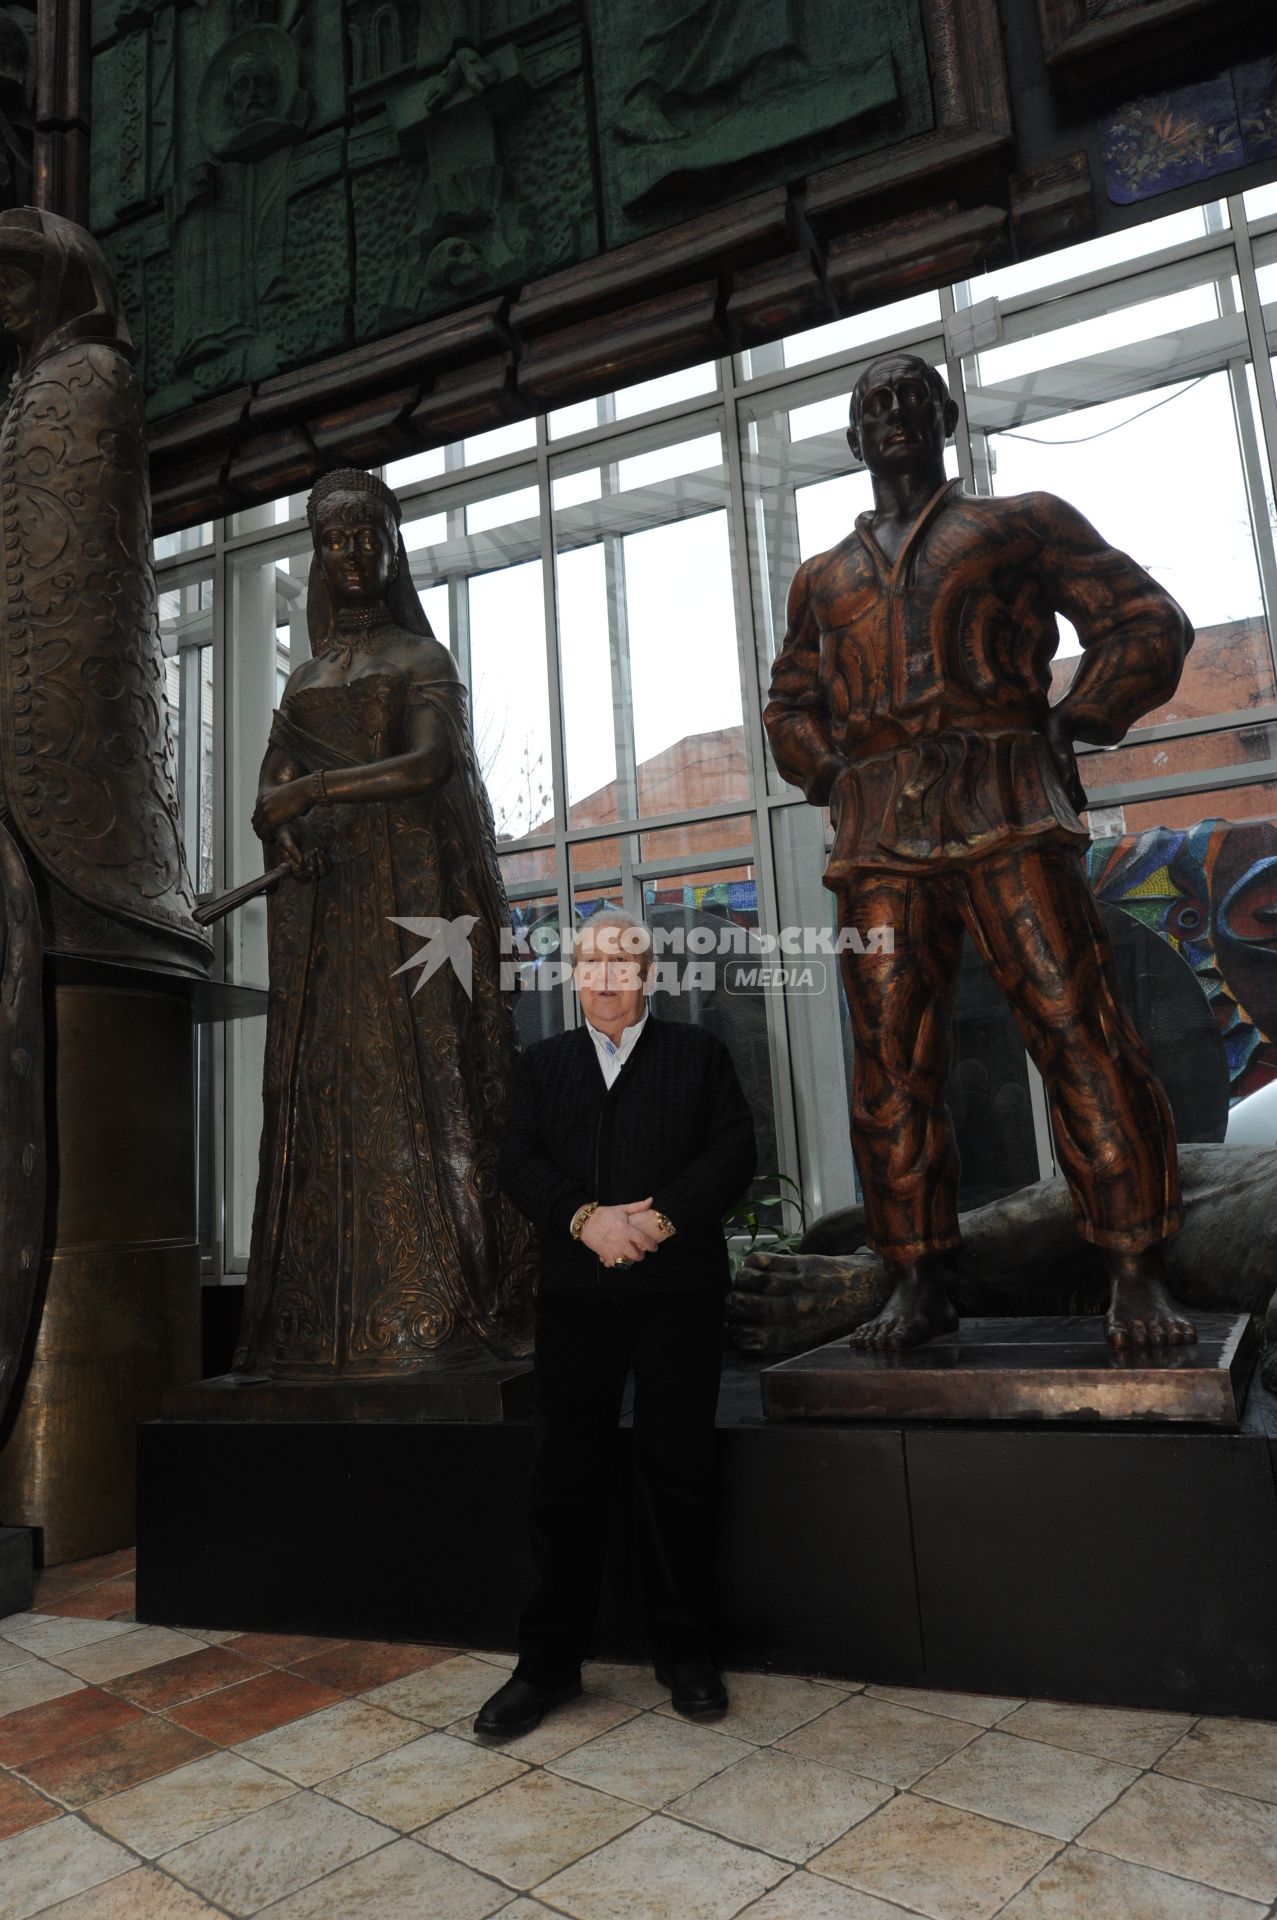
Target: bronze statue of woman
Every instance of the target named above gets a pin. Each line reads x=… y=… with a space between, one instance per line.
x=381 y=1242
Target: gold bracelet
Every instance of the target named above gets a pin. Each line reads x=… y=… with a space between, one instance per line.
x=580 y=1217
x=667 y=1225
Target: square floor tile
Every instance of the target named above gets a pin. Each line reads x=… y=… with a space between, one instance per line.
x=1095 y=1886
x=884 y=1742
x=51 y=1582
x=49 y=1863
x=12 y=1655
x=22 y=1807
x=128 y=1653
x=804 y=1896
x=15 y=1623
x=274 y=1852
x=173 y=1682
x=103 y=1566
x=618 y=1680
x=363 y=1664
x=531 y=1828
x=1199 y=1833
x=985 y=1709
x=281 y=1649
x=422 y=1781
x=331 y=1741
x=239 y=1713
x=786 y=1806
x=400 y=1882
x=945 y=1863
x=30 y=1681
x=144 y=1894
x=1134 y=1738
x=1046 y=1789
x=1240 y=1755
x=440 y=1694
x=113 y=1761
x=108 y=1600
x=763 y=1707
x=191 y=1801
x=60 y=1723
x=48 y=1638
x=651 y=1759
x=560 y=1732
x=663 y=1871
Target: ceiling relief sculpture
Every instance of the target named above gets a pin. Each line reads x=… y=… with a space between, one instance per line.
x=700 y=99
x=274 y=182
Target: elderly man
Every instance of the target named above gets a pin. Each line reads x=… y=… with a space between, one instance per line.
x=911 y=696
x=628 y=1140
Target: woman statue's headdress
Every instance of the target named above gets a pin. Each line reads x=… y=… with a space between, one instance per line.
x=352 y=480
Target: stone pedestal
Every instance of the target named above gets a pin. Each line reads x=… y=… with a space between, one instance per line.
x=1038 y=1369
x=974 y=1557
x=494 y=1390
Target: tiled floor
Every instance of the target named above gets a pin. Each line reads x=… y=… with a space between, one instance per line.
x=148 y=1774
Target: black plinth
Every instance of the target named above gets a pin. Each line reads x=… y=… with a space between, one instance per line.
x=1026 y=1369
x=17 y=1570
x=1121 y=1564
x=484 y=1391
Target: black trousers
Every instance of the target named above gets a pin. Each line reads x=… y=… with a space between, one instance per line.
x=585 y=1346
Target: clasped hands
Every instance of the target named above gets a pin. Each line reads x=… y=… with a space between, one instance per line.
x=625 y=1233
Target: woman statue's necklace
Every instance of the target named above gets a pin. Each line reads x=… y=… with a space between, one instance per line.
x=358 y=630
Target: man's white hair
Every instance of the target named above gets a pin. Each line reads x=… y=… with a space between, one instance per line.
x=634 y=936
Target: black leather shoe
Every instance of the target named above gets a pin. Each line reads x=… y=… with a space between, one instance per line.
x=696 y=1688
x=519 y=1706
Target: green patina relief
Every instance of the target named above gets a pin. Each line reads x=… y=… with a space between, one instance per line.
x=469 y=161
x=701 y=101
x=275 y=180
x=219 y=187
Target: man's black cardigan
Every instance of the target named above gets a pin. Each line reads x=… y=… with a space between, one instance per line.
x=674 y=1124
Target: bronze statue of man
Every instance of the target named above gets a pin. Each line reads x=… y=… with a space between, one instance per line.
x=911 y=695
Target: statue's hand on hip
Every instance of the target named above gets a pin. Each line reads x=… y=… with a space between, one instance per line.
x=1059 y=737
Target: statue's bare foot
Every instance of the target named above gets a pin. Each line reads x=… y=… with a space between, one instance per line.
x=919 y=1309
x=1142 y=1311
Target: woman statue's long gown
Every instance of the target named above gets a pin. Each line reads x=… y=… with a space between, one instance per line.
x=381 y=1244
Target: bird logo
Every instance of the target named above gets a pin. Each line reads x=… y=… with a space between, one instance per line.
x=446 y=941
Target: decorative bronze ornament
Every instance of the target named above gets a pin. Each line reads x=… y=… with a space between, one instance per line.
x=86 y=743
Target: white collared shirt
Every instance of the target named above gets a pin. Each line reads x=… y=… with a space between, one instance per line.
x=611 y=1055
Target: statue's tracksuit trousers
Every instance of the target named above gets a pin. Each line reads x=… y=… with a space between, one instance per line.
x=1035 y=924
